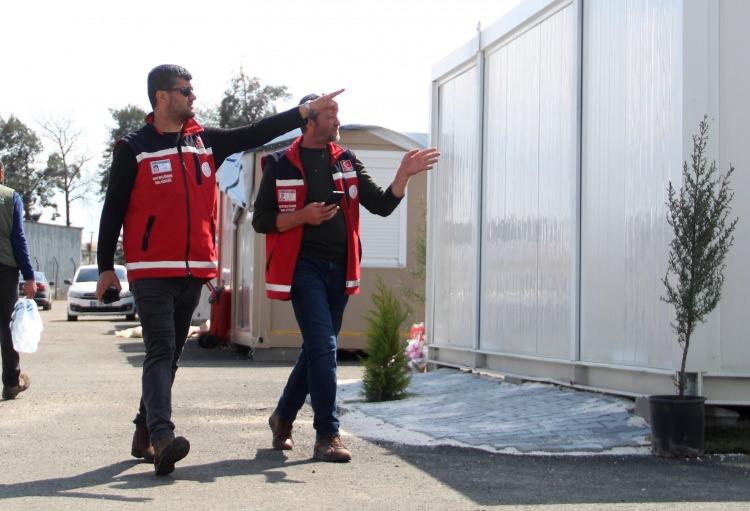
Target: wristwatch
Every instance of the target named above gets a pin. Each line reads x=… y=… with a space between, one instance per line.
x=309 y=109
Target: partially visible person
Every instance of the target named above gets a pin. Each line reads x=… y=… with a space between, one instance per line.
x=162 y=193
x=14 y=255
x=308 y=208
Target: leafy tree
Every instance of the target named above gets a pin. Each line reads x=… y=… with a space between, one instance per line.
x=19 y=147
x=246 y=102
x=127 y=119
x=386 y=375
x=64 y=166
x=703 y=234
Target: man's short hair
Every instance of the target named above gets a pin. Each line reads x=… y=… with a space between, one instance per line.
x=309 y=97
x=163 y=77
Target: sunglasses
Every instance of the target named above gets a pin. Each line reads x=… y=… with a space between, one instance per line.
x=185 y=91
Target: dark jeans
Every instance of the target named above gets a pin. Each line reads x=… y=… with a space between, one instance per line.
x=8 y=298
x=318 y=300
x=165 y=307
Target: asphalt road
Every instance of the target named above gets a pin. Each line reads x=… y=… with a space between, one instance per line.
x=65 y=444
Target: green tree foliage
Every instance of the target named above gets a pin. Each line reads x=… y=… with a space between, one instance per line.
x=127 y=119
x=19 y=148
x=386 y=376
x=699 y=217
x=64 y=166
x=246 y=102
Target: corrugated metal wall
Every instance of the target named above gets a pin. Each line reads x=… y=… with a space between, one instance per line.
x=55 y=250
x=632 y=147
x=529 y=184
x=455 y=209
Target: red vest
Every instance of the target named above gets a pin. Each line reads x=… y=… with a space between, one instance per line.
x=170 y=224
x=282 y=248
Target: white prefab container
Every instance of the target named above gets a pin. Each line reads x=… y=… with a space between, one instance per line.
x=560 y=127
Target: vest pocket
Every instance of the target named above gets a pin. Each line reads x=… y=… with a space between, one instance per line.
x=147 y=234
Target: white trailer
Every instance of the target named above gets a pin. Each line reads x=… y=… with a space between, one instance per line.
x=560 y=126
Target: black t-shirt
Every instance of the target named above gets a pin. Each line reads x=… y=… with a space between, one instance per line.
x=327 y=240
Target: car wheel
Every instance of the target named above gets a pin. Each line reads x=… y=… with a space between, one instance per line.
x=72 y=318
x=46 y=306
x=130 y=317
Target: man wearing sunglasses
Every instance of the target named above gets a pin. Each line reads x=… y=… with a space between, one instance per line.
x=162 y=192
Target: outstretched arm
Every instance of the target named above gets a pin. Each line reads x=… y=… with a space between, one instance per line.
x=226 y=141
x=413 y=162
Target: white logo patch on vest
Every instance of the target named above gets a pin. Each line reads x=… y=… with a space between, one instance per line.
x=287 y=200
x=161 y=172
x=161 y=166
x=353 y=191
x=206 y=169
x=287 y=195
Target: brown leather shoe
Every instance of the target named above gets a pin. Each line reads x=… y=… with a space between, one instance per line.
x=142 y=447
x=282 y=433
x=331 y=449
x=169 y=451
x=11 y=391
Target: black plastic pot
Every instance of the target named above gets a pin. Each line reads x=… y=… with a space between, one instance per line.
x=677 y=425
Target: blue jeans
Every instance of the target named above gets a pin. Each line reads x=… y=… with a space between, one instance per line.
x=318 y=300
x=165 y=307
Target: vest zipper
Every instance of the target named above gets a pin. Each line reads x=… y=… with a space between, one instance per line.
x=187 y=205
x=197 y=162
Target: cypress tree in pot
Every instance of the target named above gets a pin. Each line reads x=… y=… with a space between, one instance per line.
x=703 y=233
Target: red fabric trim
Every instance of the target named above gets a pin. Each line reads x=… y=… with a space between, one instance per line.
x=160 y=273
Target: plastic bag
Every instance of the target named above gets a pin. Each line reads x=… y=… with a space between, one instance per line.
x=26 y=326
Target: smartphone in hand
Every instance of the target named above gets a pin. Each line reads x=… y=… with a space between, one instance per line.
x=111 y=295
x=335 y=198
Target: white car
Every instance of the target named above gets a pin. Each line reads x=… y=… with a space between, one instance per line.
x=82 y=299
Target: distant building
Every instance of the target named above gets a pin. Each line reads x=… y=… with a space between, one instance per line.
x=55 y=250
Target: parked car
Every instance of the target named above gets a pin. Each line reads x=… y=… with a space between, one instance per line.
x=82 y=298
x=43 y=296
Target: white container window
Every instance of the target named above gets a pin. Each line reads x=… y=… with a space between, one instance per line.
x=384 y=239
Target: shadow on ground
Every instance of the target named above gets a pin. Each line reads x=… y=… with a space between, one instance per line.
x=223 y=356
x=497 y=479
x=89 y=485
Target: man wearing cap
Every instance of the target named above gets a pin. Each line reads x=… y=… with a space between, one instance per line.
x=162 y=192
x=14 y=254
x=312 y=259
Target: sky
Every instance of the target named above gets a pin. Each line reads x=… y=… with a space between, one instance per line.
x=76 y=60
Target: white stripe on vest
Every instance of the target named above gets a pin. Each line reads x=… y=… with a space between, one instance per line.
x=278 y=287
x=172 y=150
x=148 y=265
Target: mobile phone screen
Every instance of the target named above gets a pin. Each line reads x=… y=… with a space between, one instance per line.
x=335 y=197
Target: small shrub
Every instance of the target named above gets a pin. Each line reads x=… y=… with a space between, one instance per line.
x=386 y=375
